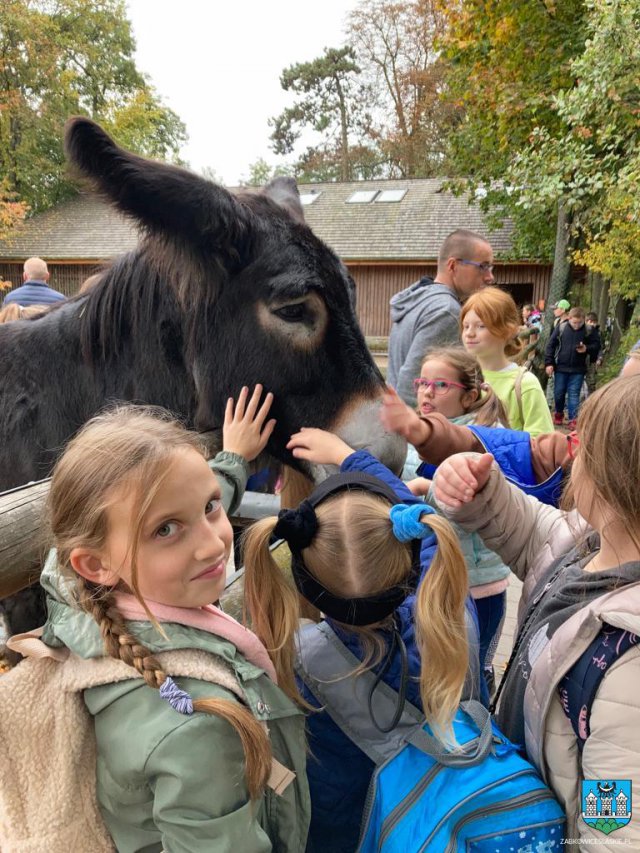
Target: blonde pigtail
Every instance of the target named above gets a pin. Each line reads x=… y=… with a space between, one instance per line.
x=441 y=631
x=271 y=605
x=122 y=645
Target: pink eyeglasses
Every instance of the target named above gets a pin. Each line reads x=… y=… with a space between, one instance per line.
x=440 y=386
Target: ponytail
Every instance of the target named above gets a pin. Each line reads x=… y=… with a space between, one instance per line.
x=271 y=604
x=488 y=408
x=441 y=631
x=120 y=644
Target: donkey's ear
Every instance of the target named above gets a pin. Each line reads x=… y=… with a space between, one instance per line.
x=164 y=200
x=284 y=192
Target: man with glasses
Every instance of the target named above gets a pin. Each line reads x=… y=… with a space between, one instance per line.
x=426 y=314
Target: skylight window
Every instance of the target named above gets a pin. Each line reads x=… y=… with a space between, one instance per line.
x=309 y=198
x=362 y=197
x=391 y=195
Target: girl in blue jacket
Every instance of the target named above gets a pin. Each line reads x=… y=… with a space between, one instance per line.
x=355 y=555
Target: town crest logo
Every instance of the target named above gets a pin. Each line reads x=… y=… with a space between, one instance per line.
x=606 y=804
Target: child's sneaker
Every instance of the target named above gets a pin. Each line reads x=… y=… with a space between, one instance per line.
x=558 y=418
x=571 y=425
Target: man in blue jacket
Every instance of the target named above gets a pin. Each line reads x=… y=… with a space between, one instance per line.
x=35 y=290
x=570 y=344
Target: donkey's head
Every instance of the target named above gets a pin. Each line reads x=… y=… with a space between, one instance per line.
x=264 y=299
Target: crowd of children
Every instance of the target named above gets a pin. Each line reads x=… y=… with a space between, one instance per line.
x=212 y=735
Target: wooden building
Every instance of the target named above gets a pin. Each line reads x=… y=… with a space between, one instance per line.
x=388 y=233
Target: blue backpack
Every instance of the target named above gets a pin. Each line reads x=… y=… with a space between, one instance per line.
x=484 y=797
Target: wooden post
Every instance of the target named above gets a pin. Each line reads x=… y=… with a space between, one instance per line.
x=23 y=539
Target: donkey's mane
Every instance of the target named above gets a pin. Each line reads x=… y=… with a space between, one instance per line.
x=126 y=307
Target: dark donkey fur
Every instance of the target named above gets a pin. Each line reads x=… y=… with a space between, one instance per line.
x=223 y=291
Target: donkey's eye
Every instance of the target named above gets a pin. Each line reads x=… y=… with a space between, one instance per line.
x=294 y=313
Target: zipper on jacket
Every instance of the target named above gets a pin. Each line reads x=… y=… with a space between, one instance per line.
x=521 y=634
x=530 y=798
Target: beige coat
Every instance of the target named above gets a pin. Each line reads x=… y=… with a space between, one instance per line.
x=528 y=536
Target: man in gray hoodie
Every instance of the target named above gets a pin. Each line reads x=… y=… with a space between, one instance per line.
x=426 y=314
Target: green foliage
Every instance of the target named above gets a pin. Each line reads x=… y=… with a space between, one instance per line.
x=590 y=160
x=261 y=172
x=507 y=59
x=63 y=57
x=329 y=100
x=615 y=360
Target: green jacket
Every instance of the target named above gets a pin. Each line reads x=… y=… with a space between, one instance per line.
x=170 y=782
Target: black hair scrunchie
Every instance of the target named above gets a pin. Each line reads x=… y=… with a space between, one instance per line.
x=297 y=526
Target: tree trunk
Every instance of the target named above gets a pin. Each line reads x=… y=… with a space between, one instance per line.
x=345 y=171
x=560 y=275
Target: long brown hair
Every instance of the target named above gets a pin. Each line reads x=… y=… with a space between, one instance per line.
x=499 y=313
x=487 y=407
x=355 y=553
x=132 y=445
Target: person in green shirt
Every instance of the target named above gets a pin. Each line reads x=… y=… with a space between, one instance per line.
x=489 y=325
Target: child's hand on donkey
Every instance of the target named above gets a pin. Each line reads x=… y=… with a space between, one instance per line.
x=397 y=417
x=319 y=446
x=244 y=430
x=460 y=477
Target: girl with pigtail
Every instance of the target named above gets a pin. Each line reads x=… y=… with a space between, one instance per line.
x=359 y=547
x=196 y=740
x=451 y=385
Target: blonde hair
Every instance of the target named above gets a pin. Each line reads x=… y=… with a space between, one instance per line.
x=13 y=311
x=355 y=553
x=499 y=313
x=609 y=430
x=134 y=445
x=487 y=407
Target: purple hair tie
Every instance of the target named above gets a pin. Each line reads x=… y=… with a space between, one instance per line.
x=178 y=699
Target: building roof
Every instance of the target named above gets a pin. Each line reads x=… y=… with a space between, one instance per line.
x=411 y=229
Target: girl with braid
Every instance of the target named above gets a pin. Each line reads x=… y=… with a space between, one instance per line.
x=360 y=547
x=183 y=763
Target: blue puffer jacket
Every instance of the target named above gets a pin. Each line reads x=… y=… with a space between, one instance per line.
x=339 y=773
x=512 y=451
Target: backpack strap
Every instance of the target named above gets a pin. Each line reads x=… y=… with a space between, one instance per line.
x=467 y=755
x=579 y=686
x=326 y=666
x=517 y=387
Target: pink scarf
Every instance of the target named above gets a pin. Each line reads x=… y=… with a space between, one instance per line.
x=209 y=618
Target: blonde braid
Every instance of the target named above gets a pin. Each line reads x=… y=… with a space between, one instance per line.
x=120 y=644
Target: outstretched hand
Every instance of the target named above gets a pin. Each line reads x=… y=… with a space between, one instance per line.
x=244 y=430
x=460 y=477
x=397 y=417
x=319 y=446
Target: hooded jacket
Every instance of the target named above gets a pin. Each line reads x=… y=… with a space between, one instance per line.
x=171 y=782
x=530 y=536
x=561 y=352
x=423 y=316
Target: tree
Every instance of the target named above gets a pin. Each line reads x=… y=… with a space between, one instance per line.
x=261 y=172
x=394 y=46
x=507 y=61
x=591 y=162
x=329 y=101
x=63 y=57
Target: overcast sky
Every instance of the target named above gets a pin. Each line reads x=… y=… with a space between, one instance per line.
x=218 y=66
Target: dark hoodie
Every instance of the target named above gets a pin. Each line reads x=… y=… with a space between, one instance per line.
x=423 y=316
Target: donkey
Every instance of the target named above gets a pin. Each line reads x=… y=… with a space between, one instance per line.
x=223 y=290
